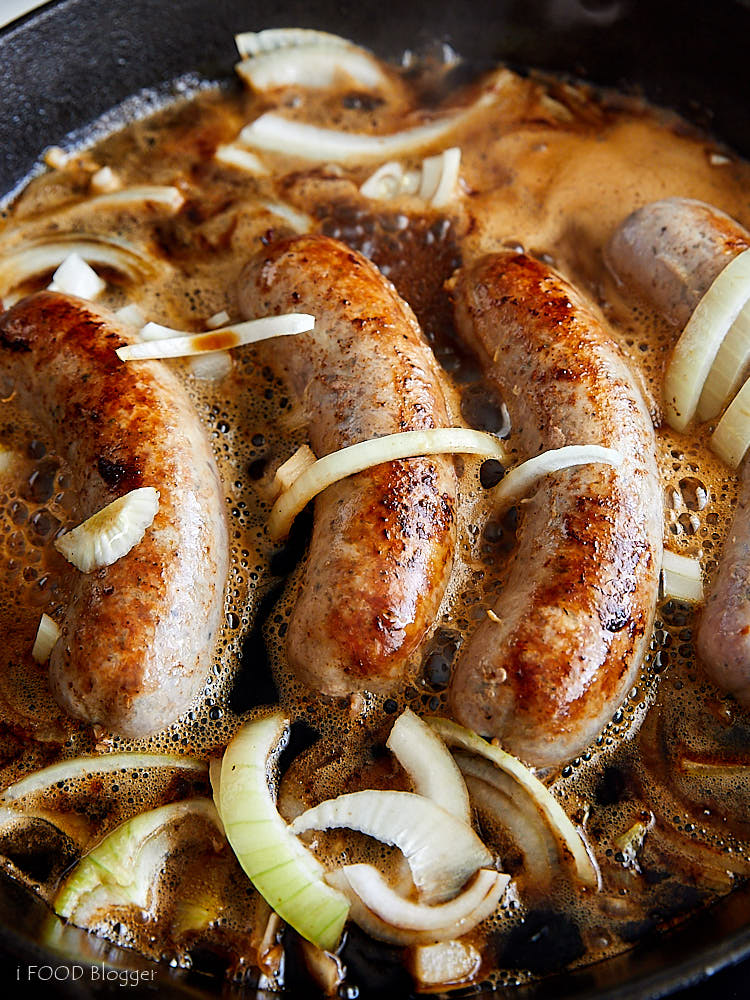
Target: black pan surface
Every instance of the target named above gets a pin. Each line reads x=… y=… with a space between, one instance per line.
x=68 y=63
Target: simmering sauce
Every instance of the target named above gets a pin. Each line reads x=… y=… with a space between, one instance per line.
x=550 y=167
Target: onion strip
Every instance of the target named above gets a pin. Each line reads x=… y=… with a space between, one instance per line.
x=731 y=439
x=17 y=266
x=358 y=457
x=681 y=577
x=275 y=134
x=519 y=481
x=695 y=351
x=730 y=368
x=47 y=635
x=313 y=66
x=80 y=767
x=184 y=345
x=442 y=851
x=374 y=891
x=429 y=764
x=559 y=821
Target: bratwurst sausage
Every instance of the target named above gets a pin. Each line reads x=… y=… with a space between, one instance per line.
x=577 y=609
x=383 y=540
x=136 y=639
x=669 y=253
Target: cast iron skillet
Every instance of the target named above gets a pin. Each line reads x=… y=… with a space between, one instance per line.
x=66 y=64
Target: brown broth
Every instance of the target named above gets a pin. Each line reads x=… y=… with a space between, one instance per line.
x=552 y=168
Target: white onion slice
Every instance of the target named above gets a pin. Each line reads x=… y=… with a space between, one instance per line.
x=731 y=438
x=284 y=872
x=81 y=767
x=183 y=345
x=497 y=796
x=46 y=636
x=313 y=66
x=75 y=277
x=218 y=320
x=123 y=868
x=292 y=469
x=442 y=852
x=19 y=265
x=253 y=43
x=131 y=315
x=681 y=578
x=389 y=181
x=375 y=892
x=559 y=821
x=112 y=532
x=232 y=155
x=429 y=764
x=104 y=181
x=695 y=351
x=730 y=368
x=381 y=930
x=440 y=177
x=358 y=457
x=299 y=221
x=519 y=482
x=275 y=134
x=164 y=195
x=445 y=963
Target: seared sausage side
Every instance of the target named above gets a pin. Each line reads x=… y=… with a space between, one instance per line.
x=383 y=541
x=694 y=242
x=576 y=612
x=137 y=636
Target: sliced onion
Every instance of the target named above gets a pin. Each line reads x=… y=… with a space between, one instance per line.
x=166 y=196
x=381 y=930
x=358 y=457
x=496 y=796
x=288 y=472
x=519 y=482
x=104 y=181
x=442 y=852
x=254 y=43
x=313 y=66
x=695 y=351
x=283 y=871
x=218 y=320
x=445 y=963
x=81 y=767
x=729 y=369
x=299 y=221
x=390 y=181
x=375 y=892
x=131 y=315
x=18 y=266
x=232 y=155
x=183 y=345
x=559 y=822
x=280 y=135
x=112 y=532
x=731 y=438
x=75 y=277
x=429 y=764
x=122 y=869
x=681 y=578
x=440 y=177
x=46 y=636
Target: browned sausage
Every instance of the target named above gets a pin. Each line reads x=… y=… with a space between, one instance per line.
x=383 y=541
x=577 y=610
x=689 y=243
x=136 y=639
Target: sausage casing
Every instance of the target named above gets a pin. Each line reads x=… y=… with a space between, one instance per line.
x=137 y=635
x=383 y=540
x=577 y=609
